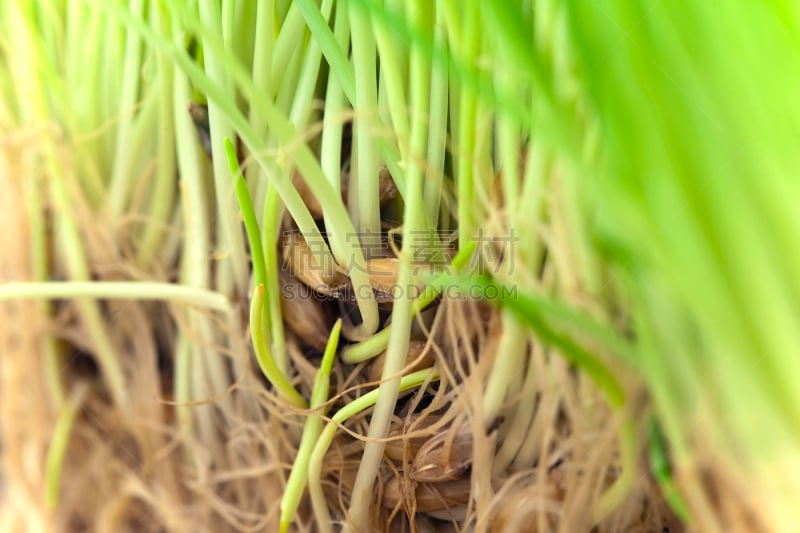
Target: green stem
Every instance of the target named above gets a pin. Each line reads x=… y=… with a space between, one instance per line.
x=331 y=45
x=319 y=395
x=511 y=353
x=163 y=195
x=116 y=290
x=326 y=438
x=58 y=445
x=397 y=349
x=271 y=371
x=334 y=117
x=364 y=175
x=373 y=345
x=195 y=273
x=514 y=453
x=264 y=39
x=289 y=38
x=437 y=135
x=248 y=215
x=217 y=73
x=662 y=470
x=394 y=85
x=272 y=216
x=508 y=146
x=468 y=103
x=303 y=90
x=121 y=175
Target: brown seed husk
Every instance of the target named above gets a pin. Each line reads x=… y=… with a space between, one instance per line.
x=526 y=509
x=427 y=497
x=299 y=259
x=402 y=447
x=382 y=274
x=305 y=313
x=329 y=280
x=443 y=457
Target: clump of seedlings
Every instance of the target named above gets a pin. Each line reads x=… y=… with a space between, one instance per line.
x=398 y=266
x=332 y=364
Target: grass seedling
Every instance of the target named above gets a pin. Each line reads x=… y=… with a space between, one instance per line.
x=264 y=356
x=647 y=175
x=369 y=399
x=58 y=446
x=248 y=215
x=298 y=477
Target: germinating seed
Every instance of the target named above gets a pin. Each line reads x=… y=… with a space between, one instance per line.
x=300 y=260
x=529 y=506
x=305 y=313
x=396 y=448
x=444 y=457
x=450 y=496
